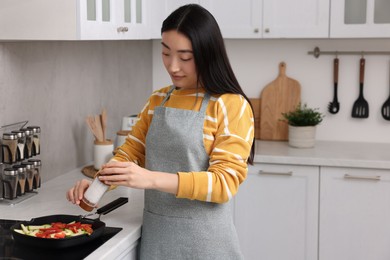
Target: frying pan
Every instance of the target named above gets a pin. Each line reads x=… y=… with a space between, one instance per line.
x=97 y=226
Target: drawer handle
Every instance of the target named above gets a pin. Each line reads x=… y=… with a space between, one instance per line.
x=276 y=173
x=370 y=178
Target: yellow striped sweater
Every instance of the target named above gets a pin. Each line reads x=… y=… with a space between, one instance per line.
x=227 y=135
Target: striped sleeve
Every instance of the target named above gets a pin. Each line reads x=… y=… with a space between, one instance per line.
x=229 y=143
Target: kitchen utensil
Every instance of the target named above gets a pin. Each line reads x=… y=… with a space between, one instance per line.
x=103 y=119
x=386 y=107
x=360 y=107
x=334 y=106
x=99 y=130
x=97 y=226
x=280 y=96
x=94 y=127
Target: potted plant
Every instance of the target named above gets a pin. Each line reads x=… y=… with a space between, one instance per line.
x=302 y=122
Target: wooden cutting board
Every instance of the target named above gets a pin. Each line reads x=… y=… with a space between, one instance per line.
x=256 y=103
x=280 y=96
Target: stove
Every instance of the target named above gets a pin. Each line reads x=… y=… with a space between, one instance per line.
x=9 y=249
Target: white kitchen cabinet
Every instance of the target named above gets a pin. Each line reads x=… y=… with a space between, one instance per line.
x=74 y=19
x=360 y=19
x=160 y=10
x=237 y=19
x=296 y=19
x=257 y=18
x=354 y=214
x=276 y=212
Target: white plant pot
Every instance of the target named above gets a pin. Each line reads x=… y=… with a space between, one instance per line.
x=301 y=136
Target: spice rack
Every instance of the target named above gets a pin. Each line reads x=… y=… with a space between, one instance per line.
x=31 y=172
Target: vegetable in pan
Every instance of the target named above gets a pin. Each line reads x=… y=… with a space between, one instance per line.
x=56 y=230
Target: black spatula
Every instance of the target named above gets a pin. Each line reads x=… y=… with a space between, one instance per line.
x=386 y=108
x=360 y=107
x=334 y=106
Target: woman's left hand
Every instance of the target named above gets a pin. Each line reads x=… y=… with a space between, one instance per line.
x=126 y=174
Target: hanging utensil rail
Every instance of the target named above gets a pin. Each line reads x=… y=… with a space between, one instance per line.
x=317 y=52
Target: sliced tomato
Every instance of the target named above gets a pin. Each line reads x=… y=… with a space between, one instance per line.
x=87 y=228
x=76 y=225
x=59 y=235
x=59 y=225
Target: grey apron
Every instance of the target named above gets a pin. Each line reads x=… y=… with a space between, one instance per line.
x=181 y=228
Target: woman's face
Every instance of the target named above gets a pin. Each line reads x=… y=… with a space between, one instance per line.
x=178 y=59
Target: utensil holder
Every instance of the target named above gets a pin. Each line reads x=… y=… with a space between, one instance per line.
x=102 y=153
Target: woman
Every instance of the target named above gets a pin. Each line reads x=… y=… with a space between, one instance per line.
x=190 y=147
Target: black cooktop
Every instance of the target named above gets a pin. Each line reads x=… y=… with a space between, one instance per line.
x=9 y=249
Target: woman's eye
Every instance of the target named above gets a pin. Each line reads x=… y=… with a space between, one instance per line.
x=165 y=54
x=186 y=59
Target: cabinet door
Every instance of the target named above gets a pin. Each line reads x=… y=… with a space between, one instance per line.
x=161 y=9
x=276 y=212
x=96 y=20
x=133 y=19
x=355 y=214
x=296 y=19
x=114 y=19
x=236 y=19
x=360 y=19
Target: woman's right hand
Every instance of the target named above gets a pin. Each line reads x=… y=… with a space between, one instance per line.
x=76 y=193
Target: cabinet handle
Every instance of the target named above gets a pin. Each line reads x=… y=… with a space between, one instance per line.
x=370 y=178
x=267 y=30
x=276 y=173
x=122 y=29
x=256 y=30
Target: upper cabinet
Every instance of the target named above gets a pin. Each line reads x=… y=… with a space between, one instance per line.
x=114 y=19
x=160 y=10
x=74 y=19
x=248 y=19
x=142 y=19
x=237 y=19
x=360 y=19
x=295 y=19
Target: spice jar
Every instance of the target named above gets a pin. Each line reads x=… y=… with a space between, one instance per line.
x=22 y=174
x=21 y=144
x=10 y=146
x=10 y=181
x=93 y=194
x=30 y=170
x=37 y=172
x=36 y=148
x=29 y=142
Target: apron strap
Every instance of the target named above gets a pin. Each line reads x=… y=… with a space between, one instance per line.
x=168 y=95
x=205 y=102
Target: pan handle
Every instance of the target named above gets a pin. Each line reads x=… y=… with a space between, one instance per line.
x=112 y=205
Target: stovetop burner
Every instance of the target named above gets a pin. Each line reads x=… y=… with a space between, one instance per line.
x=9 y=249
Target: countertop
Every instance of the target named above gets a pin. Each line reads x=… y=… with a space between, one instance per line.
x=326 y=153
x=51 y=200
x=51 y=197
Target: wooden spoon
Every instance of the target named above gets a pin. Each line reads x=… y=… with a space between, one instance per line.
x=90 y=120
x=103 y=118
x=99 y=130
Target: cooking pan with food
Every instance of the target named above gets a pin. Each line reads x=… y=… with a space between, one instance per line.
x=97 y=227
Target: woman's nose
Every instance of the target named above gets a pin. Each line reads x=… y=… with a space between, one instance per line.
x=174 y=66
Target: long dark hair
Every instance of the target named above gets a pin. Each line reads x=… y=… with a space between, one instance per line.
x=212 y=63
